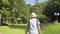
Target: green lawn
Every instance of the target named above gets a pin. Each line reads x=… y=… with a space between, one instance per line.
x=20 y=29
x=51 y=29
x=17 y=29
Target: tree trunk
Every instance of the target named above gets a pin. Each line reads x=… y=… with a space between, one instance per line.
x=0 y=19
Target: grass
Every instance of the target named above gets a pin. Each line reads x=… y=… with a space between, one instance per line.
x=20 y=29
x=16 y=29
x=51 y=29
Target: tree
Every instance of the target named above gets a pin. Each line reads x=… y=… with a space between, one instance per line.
x=0 y=18
x=52 y=7
x=11 y=9
x=38 y=9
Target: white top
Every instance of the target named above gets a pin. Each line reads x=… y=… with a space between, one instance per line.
x=33 y=26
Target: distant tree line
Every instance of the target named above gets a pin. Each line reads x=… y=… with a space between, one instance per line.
x=13 y=11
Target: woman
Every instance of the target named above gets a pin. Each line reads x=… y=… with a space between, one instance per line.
x=33 y=25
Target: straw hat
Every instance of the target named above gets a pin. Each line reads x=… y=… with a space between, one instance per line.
x=33 y=14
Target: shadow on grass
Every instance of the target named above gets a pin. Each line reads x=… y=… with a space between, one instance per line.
x=17 y=27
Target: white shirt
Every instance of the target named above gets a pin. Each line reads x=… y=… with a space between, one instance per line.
x=33 y=29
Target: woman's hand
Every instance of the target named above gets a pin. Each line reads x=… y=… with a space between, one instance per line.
x=39 y=32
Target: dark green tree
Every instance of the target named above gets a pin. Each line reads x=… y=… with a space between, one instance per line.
x=52 y=7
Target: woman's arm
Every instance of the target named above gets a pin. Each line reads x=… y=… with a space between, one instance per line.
x=39 y=29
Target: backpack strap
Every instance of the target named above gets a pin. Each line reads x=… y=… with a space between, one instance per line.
x=38 y=24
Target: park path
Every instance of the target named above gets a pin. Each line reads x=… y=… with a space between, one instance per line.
x=1 y=33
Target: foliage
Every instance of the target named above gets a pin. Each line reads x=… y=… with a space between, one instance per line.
x=14 y=9
x=52 y=7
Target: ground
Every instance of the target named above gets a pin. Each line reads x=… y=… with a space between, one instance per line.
x=20 y=29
